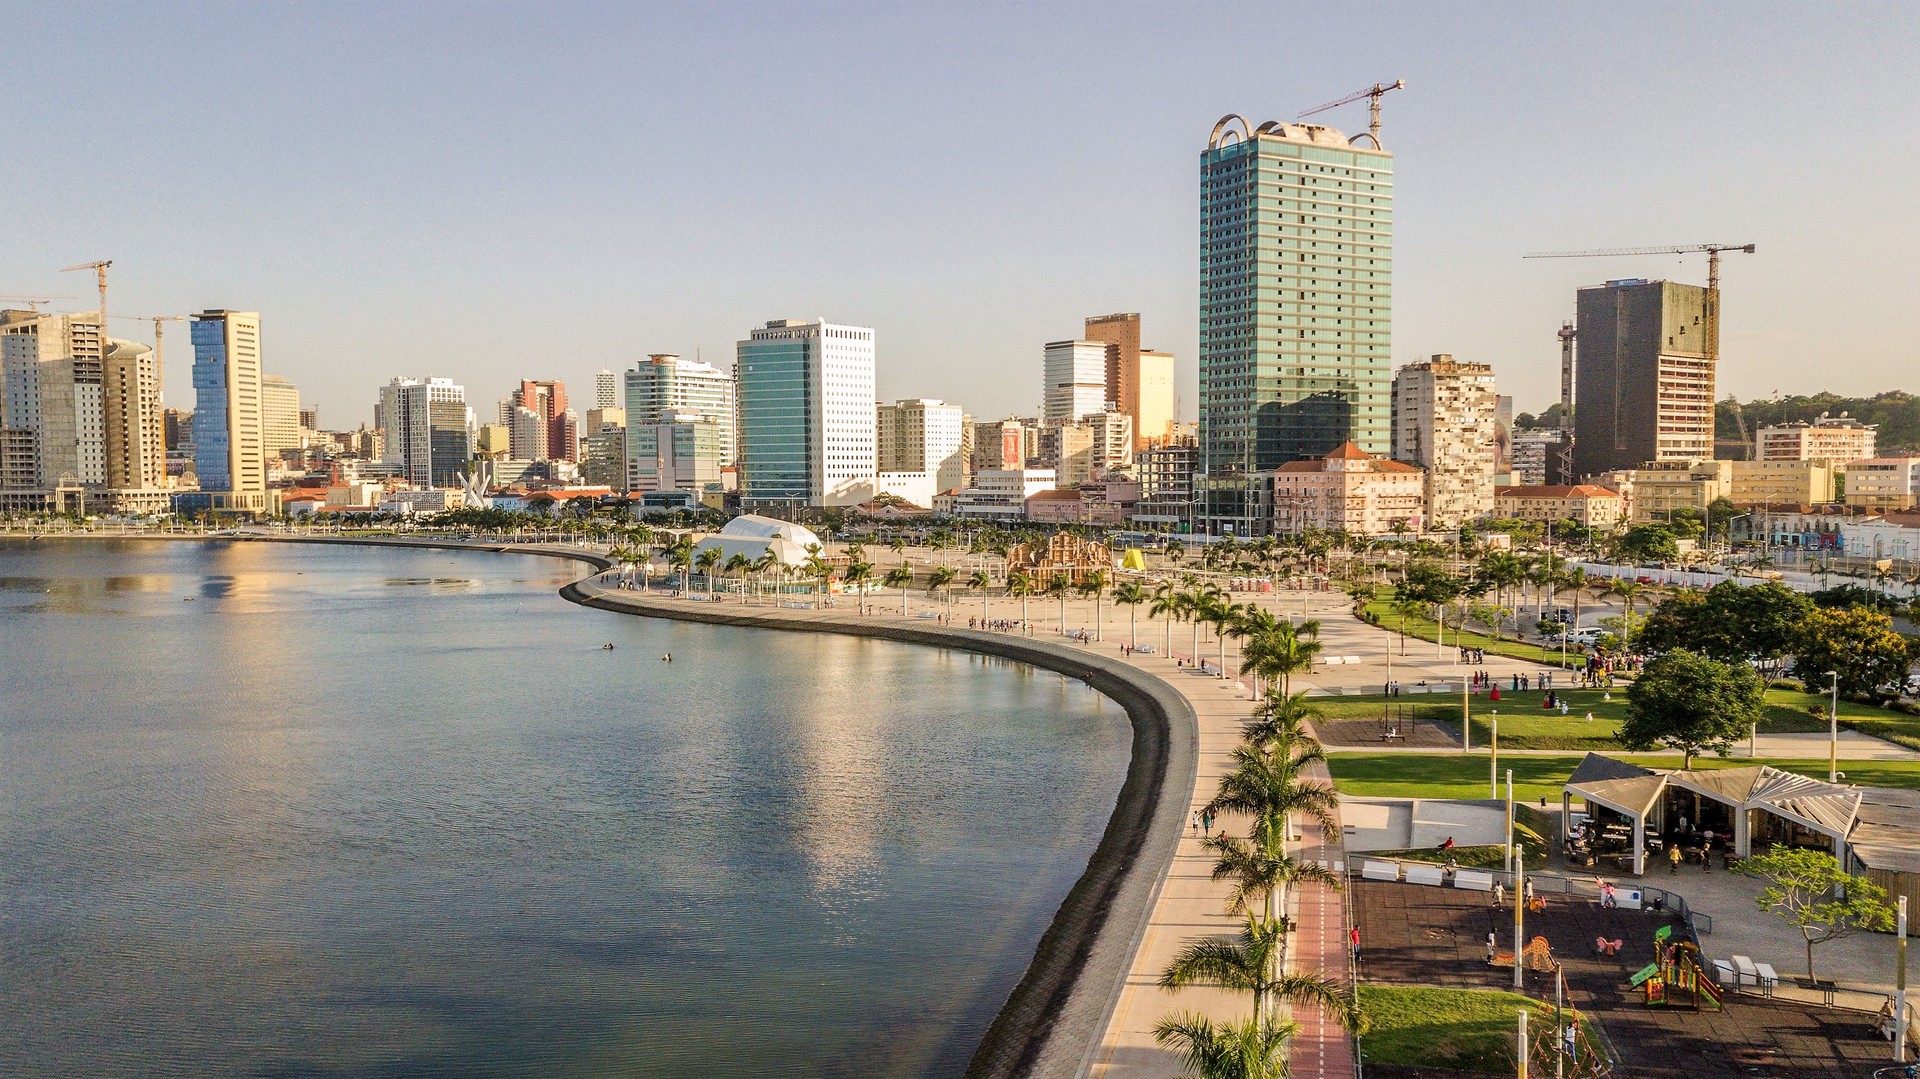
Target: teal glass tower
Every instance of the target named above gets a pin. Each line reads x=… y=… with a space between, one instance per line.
x=1296 y=285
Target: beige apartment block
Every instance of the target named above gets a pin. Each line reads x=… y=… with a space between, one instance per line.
x=1139 y=381
x=280 y=417
x=1587 y=504
x=136 y=455
x=1790 y=482
x=1884 y=483
x=1658 y=489
x=1444 y=422
x=1347 y=491
x=1835 y=440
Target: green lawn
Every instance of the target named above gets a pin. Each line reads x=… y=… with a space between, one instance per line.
x=1424 y=628
x=1469 y=1030
x=1390 y=774
x=1525 y=725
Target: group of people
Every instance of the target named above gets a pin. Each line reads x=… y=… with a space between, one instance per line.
x=1473 y=655
x=993 y=623
x=1202 y=822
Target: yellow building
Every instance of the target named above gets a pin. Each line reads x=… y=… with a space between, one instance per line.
x=1655 y=491
x=1589 y=505
x=1778 y=482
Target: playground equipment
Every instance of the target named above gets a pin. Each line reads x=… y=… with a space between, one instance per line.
x=1676 y=973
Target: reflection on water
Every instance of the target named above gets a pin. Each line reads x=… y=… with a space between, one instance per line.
x=375 y=812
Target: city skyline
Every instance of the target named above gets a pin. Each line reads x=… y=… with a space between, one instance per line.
x=366 y=255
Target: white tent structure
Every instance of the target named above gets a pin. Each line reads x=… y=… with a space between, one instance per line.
x=754 y=536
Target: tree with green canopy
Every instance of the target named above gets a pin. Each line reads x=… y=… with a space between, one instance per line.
x=1858 y=645
x=1808 y=890
x=1688 y=702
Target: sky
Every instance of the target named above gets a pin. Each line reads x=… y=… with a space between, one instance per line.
x=491 y=192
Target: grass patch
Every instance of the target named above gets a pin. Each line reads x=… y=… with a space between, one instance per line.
x=1524 y=724
x=1392 y=774
x=1424 y=628
x=1469 y=1030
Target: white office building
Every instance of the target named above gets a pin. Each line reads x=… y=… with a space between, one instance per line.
x=428 y=430
x=807 y=422
x=1075 y=380
x=665 y=384
x=923 y=435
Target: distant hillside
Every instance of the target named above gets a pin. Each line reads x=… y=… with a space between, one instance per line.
x=1896 y=413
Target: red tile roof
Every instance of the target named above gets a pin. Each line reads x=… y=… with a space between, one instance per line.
x=1555 y=490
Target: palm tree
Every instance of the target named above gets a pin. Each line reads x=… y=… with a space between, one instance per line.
x=857 y=575
x=820 y=570
x=1629 y=591
x=1019 y=584
x=1279 y=726
x=1249 y=961
x=1240 y=1049
x=1093 y=584
x=1262 y=874
x=942 y=579
x=1268 y=787
x=1280 y=653
x=1131 y=595
x=738 y=566
x=705 y=562
x=900 y=577
x=979 y=582
x=1166 y=607
x=1059 y=585
x=1213 y=608
x=766 y=562
x=680 y=556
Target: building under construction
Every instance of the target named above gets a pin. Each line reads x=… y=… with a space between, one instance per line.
x=1644 y=382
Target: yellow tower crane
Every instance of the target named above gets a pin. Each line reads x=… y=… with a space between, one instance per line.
x=100 y=268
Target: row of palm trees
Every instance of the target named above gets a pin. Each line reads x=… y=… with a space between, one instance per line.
x=1268 y=784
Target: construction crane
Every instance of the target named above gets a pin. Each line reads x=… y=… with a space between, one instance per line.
x=1711 y=345
x=159 y=323
x=34 y=303
x=1374 y=93
x=100 y=268
x=1712 y=250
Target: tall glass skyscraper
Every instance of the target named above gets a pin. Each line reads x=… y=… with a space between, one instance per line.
x=1296 y=274
x=229 y=425
x=807 y=425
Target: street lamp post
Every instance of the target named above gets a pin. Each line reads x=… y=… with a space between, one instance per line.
x=1833 y=731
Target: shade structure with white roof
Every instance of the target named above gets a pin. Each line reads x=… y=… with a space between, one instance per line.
x=753 y=536
x=1872 y=826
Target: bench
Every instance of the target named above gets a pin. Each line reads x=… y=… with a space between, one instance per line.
x=1473 y=880
x=1749 y=974
x=1768 y=979
x=1426 y=874
x=1380 y=870
x=1723 y=973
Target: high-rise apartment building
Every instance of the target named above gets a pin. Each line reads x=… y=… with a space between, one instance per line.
x=1139 y=381
x=1836 y=440
x=135 y=433
x=603 y=448
x=606 y=389
x=806 y=413
x=681 y=451
x=998 y=444
x=1445 y=420
x=54 y=373
x=923 y=435
x=1112 y=440
x=280 y=412
x=665 y=384
x=528 y=435
x=1296 y=272
x=1075 y=380
x=229 y=423
x=548 y=400
x=427 y=429
x=1644 y=381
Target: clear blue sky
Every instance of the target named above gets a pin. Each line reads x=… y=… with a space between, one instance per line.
x=492 y=191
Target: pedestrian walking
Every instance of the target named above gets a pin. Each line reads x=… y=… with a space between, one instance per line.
x=1499 y=896
x=1493 y=947
x=1193 y=823
x=1353 y=935
x=1673 y=856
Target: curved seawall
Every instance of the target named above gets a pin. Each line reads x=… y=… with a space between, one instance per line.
x=1052 y=1022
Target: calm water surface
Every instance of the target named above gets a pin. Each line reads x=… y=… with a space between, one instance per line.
x=277 y=810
